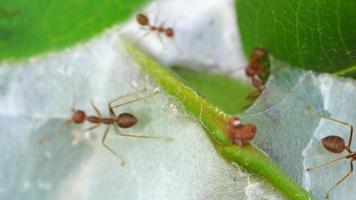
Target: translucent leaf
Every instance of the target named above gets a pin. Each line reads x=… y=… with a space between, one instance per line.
x=291 y=135
x=37 y=97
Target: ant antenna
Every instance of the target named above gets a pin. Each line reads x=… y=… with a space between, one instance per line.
x=73 y=92
x=58 y=129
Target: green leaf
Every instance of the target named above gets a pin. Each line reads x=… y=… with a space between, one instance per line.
x=227 y=93
x=49 y=25
x=311 y=34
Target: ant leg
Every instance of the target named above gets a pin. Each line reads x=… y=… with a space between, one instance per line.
x=176 y=45
x=129 y=102
x=109 y=148
x=91 y=128
x=254 y=94
x=341 y=180
x=159 y=34
x=142 y=136
x=310 y=110
x=82 y=132
x=160 y=39
x=95 y=108
x=127 y=95
x=274 y=70
x=110 y=107
x=144 y=35
x=328 y=162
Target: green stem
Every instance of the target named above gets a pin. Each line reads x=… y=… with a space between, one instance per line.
x=254 y=161
x=215 y=122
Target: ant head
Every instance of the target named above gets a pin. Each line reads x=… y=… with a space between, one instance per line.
x=169 y=32
x=333 y=143
x=126 y=120
x=142 y=19
x=78 y=116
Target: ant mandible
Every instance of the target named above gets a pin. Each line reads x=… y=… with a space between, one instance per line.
x=239 y=133
x=336 y=144
x=123 y=120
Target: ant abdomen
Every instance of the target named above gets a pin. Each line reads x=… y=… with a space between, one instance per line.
x=126 y=120
x=169 y=32
x=142 y=19
x=333 y=143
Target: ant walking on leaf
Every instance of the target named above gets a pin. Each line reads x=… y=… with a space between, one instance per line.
x=123 y=120
x=144 y=21
x=336 y=144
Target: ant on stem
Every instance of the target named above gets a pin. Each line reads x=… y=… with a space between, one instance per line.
x=239 y=133
x=123 y=120
x=336 y=144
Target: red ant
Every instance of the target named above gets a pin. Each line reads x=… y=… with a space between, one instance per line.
x=144 y=21
x=256 y=70
x=239 y=133
x=336 y=144
x=123 y=120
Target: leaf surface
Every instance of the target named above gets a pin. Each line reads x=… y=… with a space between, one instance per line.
x=311 y=34
x=49 y=25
